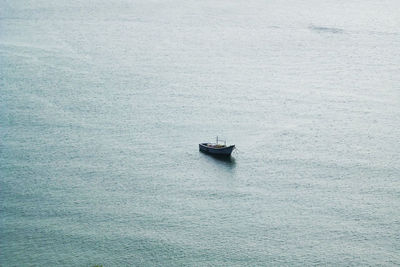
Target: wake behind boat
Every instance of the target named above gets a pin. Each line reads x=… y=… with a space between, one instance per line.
x=216 y=148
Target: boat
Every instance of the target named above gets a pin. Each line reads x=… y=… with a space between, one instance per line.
x=216 y=149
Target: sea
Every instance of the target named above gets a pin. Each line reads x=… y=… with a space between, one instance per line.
x=103 y=105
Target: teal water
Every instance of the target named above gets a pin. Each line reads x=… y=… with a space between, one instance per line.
x=102 y=107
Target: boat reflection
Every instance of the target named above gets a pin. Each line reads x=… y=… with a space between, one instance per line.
x=225 y=160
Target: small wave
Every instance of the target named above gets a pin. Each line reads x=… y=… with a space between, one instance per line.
x=325 y=29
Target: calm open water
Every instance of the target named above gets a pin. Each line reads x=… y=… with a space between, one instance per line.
x=103 y=104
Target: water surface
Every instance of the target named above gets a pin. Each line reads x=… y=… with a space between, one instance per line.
x=103 y=105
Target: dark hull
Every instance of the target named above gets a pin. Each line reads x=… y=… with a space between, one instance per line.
x=225 y=151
